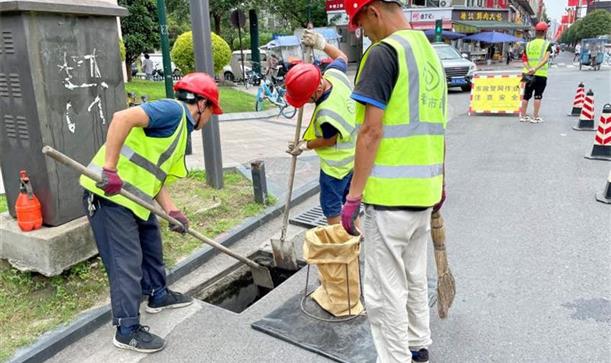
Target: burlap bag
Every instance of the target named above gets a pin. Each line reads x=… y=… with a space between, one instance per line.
x=331 y=248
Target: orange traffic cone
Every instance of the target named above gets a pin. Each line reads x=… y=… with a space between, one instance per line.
x=578 y=101
x=586 y=119
x=605 y=196
x=602 y=141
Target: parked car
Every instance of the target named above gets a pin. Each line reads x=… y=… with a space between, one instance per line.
x=232 y=71
x=459 y=70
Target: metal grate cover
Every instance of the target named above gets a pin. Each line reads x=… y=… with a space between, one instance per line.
x=313 y=218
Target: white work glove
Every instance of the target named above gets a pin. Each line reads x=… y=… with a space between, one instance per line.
x=302 y=146
x=313 y=39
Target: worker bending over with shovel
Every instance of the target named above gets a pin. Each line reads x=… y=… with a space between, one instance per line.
x=331 y=129
x=398 y=174
x=144 y=151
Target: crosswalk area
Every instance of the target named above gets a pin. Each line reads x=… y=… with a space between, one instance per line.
x=575 y=65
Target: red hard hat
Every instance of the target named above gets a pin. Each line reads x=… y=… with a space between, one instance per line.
x=301 y=83
x=541 y=26
x=354 y=6
x=202 y=85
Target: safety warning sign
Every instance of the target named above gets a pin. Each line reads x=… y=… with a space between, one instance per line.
x=499 y=93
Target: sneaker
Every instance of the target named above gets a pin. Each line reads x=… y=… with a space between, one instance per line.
x=536 y=120
x=172 y=300
x=524 y=118
x=421 y=356
x=139 y=340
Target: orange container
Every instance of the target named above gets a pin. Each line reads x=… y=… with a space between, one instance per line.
x=27 y=206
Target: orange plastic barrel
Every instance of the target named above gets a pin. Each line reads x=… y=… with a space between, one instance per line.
x=27 y=206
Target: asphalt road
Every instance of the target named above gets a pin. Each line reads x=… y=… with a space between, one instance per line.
x=529 y=245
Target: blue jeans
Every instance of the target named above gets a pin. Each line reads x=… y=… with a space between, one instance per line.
x=333 y=193
x=131 y=251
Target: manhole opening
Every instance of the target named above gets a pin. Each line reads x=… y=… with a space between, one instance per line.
x=234 y=289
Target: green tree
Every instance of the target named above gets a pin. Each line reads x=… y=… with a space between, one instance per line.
x=298 y=12
x=140 y=29
x=594 y=24
x=182 y=53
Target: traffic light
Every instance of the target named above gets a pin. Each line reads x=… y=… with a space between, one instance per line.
x=438 y=30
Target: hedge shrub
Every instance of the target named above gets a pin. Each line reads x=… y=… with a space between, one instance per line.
x=182 y=53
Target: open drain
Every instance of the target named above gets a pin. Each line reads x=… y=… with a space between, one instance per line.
x=234 y=289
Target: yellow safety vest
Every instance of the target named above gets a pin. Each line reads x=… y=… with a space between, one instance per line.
x=145 y=165
x=337 y=110
x=535 y=52
x=408 y=168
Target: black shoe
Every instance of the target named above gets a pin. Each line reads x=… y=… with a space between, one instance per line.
x=421 y=356
x=139 y=340
x=172 y=300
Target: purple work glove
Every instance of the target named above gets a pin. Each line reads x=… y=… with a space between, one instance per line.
x=437 y=206
x=111 y=182
x=179 y=216
x=350 y=212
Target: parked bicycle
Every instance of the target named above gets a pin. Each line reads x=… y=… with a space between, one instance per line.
x=274 y=92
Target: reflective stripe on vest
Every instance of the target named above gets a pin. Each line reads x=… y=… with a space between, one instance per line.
x=145 y=164
x=408 y=170
x=535 y=56
x=337 y=110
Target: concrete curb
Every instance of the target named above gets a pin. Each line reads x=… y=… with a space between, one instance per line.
x=54 y=341
x=241 y=116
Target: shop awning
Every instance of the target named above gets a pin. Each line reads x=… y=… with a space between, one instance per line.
x=493 y=25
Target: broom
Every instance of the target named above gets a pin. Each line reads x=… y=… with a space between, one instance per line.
x=446 y=288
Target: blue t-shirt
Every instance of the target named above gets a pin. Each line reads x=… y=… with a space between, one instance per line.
x=164 y=116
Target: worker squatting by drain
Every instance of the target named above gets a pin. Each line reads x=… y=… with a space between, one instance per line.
x=381 y=144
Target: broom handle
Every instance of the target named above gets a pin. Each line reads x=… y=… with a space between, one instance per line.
x=66 y=160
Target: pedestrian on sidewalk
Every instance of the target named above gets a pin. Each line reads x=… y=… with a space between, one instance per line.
x=535 y=60
x=331 y=130
x=401 y=96
x=148 y=67
x=144 y=152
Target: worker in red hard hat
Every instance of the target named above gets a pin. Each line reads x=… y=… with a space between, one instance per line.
x=535 y=58
x=401 y=102
x=144 y=152
x=331 y=130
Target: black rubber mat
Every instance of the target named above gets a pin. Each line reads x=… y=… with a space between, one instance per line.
x=342 y=342
x=312 y=218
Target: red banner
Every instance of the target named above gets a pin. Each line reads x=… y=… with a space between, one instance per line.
x=332 y=5
x=572 y=2
x=565 y=19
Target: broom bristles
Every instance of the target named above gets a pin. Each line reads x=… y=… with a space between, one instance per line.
x=446 y=285
x=446 y=290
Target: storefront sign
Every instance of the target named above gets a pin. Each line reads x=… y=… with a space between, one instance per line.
x=332 y=5
x=417 y=15
x=479 y=15
x=496 y=94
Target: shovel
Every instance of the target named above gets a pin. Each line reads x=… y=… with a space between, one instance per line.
x=261 y=274
x=283 y=250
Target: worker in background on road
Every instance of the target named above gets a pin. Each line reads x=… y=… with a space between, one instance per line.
x=144 y=152
x=401 y=96
x=535 y=59
x=331 y=129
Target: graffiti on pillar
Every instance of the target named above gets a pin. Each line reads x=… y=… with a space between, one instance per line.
x=72 y=82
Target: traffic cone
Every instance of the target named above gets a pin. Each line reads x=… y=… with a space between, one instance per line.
x=605 y=196
x=578 y=101
x=602 y=141
x=586 y=118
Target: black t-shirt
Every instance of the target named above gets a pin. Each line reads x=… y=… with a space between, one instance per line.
x=379 y=76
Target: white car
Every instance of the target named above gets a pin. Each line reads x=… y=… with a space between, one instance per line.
x=459 y=70
x=233 y=71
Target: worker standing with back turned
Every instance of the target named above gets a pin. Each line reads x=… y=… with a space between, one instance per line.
x=401 y=95
x=144 y=151
x=330 y=132
x=535 y=59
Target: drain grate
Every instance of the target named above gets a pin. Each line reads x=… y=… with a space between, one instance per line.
x=313 y=218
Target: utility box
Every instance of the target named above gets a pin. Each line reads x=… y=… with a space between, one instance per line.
x=60 y=83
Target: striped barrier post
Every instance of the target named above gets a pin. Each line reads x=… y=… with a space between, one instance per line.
x=578 y=101
x=605 y=196
x=586 y=118
x=602 y=141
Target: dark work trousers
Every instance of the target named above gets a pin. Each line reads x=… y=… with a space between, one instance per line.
x=132 y=254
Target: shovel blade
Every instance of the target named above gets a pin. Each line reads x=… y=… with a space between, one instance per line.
x=284 y=255
x=262 y=277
